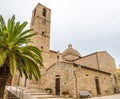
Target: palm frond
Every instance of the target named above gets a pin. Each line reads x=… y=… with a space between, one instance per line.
x=2 y=23
x=3 y=56
x=10 y=26
x=12 y=63
x=31 y=67
x=26 y=59
x=34 y=53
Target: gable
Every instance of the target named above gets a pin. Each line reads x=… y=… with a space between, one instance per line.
x=106 y=62
x=89 y=61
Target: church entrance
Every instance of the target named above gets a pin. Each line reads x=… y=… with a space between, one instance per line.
x=57 y=85
x=97 y=86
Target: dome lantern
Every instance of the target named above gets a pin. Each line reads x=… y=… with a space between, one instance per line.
x=70 y=46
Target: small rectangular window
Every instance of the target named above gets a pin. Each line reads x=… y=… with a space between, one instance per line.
x=41 y=47
x=43 y=32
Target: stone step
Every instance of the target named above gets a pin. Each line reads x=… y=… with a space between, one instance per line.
x=44 y=95
x=53 y=98
x=36 y=93
x=33 y=93
x=50 y=97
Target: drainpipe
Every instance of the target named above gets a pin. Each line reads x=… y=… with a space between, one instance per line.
x=76 y=84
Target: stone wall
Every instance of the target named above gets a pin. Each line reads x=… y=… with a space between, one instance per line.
x=87 y=78
x=100 y=61
x=89 y=60
x=76 y=78
x=53 y=57
x=106 y=62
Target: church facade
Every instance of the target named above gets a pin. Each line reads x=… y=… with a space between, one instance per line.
x=68 y=71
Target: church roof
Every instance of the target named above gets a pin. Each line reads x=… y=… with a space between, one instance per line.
x=71 y=51
x=78 y=65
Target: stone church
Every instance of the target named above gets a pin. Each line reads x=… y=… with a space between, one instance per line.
x=68 y=70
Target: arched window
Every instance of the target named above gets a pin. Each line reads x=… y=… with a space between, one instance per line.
x=44 y=12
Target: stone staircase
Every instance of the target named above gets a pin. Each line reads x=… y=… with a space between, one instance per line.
x=23 y=93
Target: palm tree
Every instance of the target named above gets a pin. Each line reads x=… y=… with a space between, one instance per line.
x=16 y=54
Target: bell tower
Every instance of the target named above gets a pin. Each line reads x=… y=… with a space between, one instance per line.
x=40 y=23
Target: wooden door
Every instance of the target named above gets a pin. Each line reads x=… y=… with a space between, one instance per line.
x=97 y=86
x=57 y=86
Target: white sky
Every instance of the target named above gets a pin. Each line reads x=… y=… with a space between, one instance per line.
x=89 y=25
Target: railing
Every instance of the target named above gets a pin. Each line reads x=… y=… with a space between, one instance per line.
x=14 y=92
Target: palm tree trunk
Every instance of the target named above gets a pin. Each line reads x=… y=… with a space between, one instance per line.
x=2 y=83
x=4 y=75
